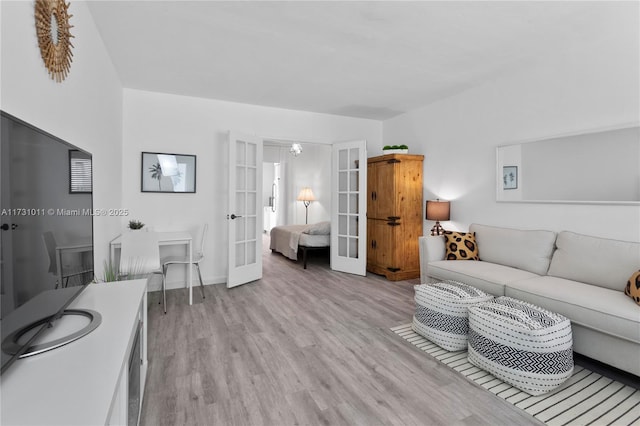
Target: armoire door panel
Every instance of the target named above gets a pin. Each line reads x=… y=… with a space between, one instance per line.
x=386 y=190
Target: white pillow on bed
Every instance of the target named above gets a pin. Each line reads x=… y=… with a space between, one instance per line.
x=320 y=228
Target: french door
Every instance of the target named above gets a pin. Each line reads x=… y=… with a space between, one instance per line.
x=349 y=207
x=245 y=209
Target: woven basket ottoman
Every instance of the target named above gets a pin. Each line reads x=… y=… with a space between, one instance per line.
x=441 y=313
x=521 y=344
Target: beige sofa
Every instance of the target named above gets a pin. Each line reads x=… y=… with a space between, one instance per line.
x=579 y=276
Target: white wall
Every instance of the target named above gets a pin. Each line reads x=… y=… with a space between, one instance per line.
x=593 y=86
x=311 y=168
x=84 y=110
x=186 y=125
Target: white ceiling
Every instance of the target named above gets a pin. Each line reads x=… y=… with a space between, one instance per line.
x=362 y=59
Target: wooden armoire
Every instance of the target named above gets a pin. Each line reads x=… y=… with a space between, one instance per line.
x=394 y=215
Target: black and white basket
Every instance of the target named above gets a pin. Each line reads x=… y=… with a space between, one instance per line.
x=441 y=313
x=521 y=344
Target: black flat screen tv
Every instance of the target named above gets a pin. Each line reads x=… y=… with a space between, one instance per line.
x=46 y=232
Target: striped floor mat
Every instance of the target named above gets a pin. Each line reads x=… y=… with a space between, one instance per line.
x=587 y=398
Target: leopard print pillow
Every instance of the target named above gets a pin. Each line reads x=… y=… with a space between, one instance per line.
x=633 y=287
x=461 y=246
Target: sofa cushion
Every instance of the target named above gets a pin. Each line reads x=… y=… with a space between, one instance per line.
x=592 y=260
x=602 y=309
x=633 y=287
x=488 y=277
x=460 y=246
x=523 y=249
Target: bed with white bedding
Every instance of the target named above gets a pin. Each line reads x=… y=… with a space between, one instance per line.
x=290 y=239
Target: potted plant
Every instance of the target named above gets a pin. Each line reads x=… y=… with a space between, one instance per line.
x=395 y=149
x=135 y=224
x=111 y=272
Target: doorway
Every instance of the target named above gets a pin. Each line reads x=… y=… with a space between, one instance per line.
x=288 y=167
x=331 y=171
x=272 y=195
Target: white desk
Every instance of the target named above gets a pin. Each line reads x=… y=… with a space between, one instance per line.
x=166 y=239
x=78 y=247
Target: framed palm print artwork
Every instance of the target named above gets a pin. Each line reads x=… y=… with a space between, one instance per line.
x=168 y=173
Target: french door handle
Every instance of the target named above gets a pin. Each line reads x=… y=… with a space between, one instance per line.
x=233 y=216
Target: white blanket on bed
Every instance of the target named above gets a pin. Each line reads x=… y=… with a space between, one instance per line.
x=286 y=238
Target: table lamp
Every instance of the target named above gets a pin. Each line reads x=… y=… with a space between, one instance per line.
x=437 y=210
x=306 y=196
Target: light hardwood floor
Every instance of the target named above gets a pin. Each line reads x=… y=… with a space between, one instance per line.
x=303 y=347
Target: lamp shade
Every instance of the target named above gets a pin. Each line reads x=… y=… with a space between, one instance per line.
x=306 y=195
x=438 y=210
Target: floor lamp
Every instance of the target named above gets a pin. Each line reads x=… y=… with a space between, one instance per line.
x=438 y=210
x=306 y=196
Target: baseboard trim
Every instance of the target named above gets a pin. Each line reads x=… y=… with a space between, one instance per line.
x=155 y=284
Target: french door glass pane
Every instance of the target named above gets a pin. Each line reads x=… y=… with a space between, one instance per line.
x=241 y=153
x=343 y=159
x=353 y=248
x=252 y=154
x=353 y=181
x=343 y=181
x=343 y=204
x=240 y=229
x=353 y=226
x=251 y=252
x=251 y=228
x=240 y=204
x=342 y=246
x=240 y=254
x=251 y=178
x=342 y=225
x=251 y=203
x=241 y=178
x=353 y=203
x=353 y=156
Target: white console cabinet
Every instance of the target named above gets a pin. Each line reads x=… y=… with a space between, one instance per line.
x=85 y=382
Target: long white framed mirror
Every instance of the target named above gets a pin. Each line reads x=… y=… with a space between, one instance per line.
x=594 y=167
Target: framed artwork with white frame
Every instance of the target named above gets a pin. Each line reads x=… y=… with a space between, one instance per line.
x=510 y=177
x=173 y=173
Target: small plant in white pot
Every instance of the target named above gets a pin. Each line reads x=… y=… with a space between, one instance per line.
x=395 y=149
x=135 y=224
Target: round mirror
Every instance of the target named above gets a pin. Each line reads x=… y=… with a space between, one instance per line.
x=54 y=35
x=54 y=29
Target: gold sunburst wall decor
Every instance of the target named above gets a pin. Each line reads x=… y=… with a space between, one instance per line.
x=54 y=36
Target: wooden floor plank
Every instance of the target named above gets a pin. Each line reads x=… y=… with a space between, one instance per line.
x=310 y=347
